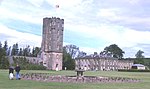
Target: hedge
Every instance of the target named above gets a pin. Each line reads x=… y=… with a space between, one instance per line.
x=132 y=70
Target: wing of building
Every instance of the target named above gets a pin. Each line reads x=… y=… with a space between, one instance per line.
x=102 y=63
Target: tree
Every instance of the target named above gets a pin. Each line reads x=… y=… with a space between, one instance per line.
x=73 y=50
x=15 y=49
x=68 y=62
x=26 y=51
x=0 y=45
x=139 y=57
x=81 y=54
x=2 y=52
x=5 y=47
x=114 y=50
x=139 y=54
x=20 y=52
x=9 y=51
x=35 y=51
x=4 y=63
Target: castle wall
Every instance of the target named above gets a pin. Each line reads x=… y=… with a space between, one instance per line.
x=34 y=60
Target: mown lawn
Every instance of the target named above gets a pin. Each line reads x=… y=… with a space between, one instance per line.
x=5 y=83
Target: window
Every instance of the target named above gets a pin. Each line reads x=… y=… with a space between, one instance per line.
x=53 y=23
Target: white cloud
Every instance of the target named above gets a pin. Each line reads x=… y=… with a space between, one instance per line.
x=133 y=2
x=23 y=39
x=34 y=14
x=82 y=17
x=122 y=15
x=109 y=13
x=90 y=50
x=120 y=35
x=1 y=1
x=36 y=3
x=64 y=3
x=8 y=14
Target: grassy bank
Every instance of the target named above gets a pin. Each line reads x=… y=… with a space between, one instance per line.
x=5 y=83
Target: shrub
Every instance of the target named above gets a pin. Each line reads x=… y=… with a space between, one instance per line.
x=4 y=63
x=26 y=65
x=133 y=70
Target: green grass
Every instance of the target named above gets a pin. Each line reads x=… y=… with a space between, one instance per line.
x=5 y=83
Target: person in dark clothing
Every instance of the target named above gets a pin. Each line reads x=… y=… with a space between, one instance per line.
x=11 y=70
x=17 y=69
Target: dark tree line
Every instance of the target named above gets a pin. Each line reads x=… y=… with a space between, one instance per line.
x=4 y=63
x=14 y=50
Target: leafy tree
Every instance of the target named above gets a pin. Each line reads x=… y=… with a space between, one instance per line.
x=0 y=45
x=4 y=63
x=139 y=54
x=2 y=51
x=68 y=62
x=20 y=52
x=5 y=47
x=26 y=51
x=139 y=57
x=73 y=50
x=82 y=54
x=35 y=51
x=114 y=50
x=15 y=49
x=9 y=51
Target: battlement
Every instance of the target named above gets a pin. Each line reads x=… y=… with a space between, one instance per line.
x=54 y=19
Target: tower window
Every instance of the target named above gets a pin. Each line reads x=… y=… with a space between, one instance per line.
x=53 y=23
x=62 y=25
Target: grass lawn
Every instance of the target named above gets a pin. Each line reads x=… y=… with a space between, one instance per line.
x=5 y=83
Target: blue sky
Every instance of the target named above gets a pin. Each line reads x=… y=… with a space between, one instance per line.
x=90 y=24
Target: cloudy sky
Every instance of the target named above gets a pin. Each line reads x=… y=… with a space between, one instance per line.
x=89 y=24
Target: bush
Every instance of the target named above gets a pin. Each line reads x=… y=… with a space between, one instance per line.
x=133 y=70
x=26 y=65
x=35 y=67
x=4 y=63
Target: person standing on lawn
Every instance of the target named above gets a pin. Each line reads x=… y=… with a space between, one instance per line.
x=17 y=69
x=11 y=72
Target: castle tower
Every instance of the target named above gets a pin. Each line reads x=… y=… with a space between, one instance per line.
x=52 y=43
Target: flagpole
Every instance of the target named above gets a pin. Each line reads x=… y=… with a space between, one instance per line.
x=56 y=9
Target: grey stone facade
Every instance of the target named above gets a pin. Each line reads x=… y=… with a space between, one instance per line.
x=102 y=63
x=52 y=43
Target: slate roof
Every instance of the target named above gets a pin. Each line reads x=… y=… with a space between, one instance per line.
x=137 y=65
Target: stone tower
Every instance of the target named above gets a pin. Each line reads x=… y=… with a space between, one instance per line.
x=52 y=43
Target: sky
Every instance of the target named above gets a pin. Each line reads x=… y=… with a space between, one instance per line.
x=89 y=24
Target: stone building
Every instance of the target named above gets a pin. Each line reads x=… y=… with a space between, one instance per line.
x=52 y=43
x=102 y=63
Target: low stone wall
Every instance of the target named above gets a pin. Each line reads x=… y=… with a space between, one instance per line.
x=45 y=77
